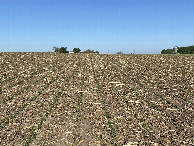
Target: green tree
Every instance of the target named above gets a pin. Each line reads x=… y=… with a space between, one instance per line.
x=163 y=51
x=60 y=50
x=76 y=50
x=186 y=50
x=90 y=51
x=167 y=51
x=119 y=52
x=63 y=50
x=56 y=49
x=181 y=50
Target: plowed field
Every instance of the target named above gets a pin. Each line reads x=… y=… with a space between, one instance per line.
x=99 y=100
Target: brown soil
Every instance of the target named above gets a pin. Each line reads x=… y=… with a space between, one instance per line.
x=88 y=99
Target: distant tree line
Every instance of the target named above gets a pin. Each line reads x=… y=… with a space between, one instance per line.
x=181 y=50
x=75 y=50
x=90 y=51
x=167 y=51
x=119 y=52
x=186 y=50
x=60 y=50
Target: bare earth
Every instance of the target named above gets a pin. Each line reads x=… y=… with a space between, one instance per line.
x=96 y=100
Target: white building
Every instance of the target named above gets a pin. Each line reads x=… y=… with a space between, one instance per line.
x=175 y=49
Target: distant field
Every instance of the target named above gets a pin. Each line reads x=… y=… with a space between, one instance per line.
x=91 y=99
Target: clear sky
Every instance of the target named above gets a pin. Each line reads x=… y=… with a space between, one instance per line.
x=146 y=26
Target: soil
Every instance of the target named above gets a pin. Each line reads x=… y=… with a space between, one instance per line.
x=95 y=99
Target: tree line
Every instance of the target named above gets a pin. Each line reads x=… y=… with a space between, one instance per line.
x=181 y=50
x=75 y=50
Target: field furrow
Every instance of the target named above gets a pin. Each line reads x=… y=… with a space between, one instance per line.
x=89 y=99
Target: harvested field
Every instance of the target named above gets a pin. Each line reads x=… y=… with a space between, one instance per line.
x=91 y=99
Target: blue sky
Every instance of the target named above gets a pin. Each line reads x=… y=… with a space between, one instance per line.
x=146 y=26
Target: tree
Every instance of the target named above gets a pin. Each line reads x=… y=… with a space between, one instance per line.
x=90 y=51
x=61 y=50
x=167 y=51
x=56 y=49
x=163 y=51
x=186 y=50
x=76 y=50
x=119 y=52
x=181 y=50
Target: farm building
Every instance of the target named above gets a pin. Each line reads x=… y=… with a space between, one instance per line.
x=175 y=49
